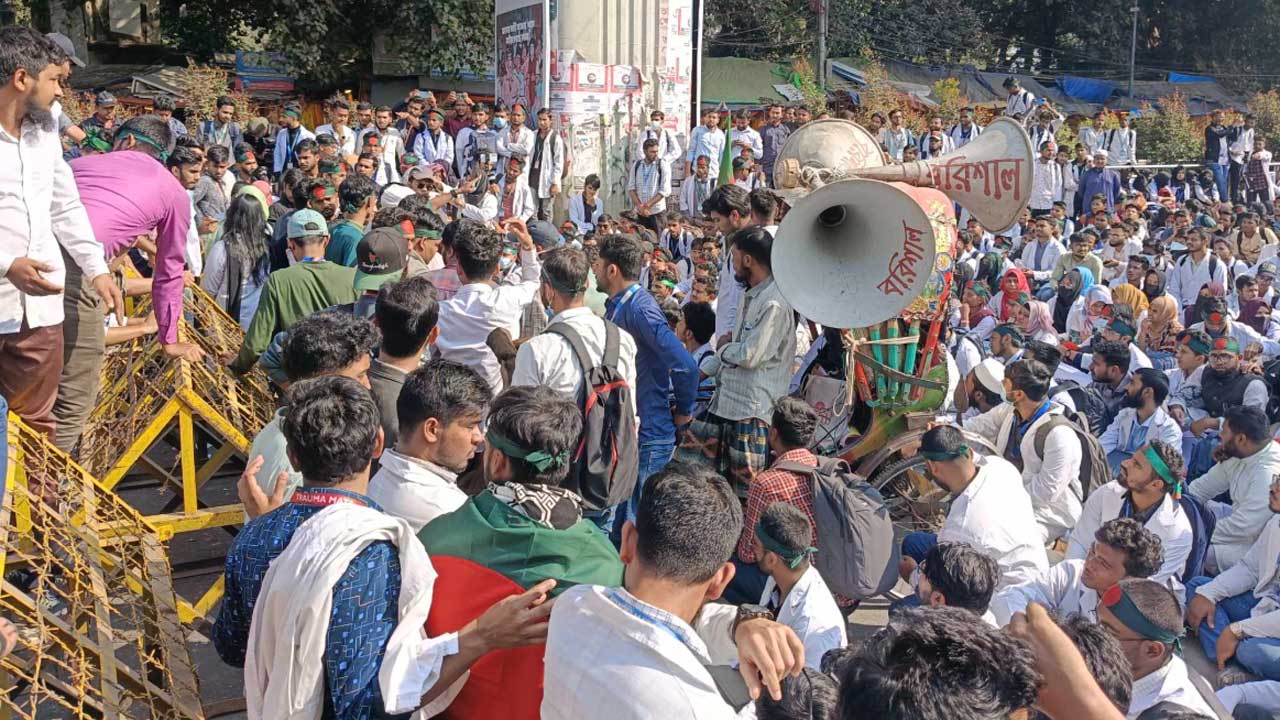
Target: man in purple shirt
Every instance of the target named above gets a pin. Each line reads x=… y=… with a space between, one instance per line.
x=127 y=193
x=773 y=135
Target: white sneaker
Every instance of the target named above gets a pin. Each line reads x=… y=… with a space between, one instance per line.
x=1235 y=675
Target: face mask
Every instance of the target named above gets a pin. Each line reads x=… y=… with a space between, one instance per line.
x=499 y=123
x=506 y=263
x=1066 y=292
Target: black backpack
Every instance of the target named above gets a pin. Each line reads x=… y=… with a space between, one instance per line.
x=1089 y=404
x=607 y=459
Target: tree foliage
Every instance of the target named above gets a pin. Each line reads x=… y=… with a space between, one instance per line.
x=329 y=40
x=1169 y=135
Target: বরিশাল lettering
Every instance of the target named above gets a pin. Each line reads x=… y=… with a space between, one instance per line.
x=902 y=272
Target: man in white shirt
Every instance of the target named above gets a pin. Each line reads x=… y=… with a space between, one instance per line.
x=480 y=307
x=515 y=198
x=744 y=140
x=1122 y=143
x=1046 y=180
x=339 y=115
x=990 y=510
x=1040 y=256
x=706 y=139
x=1052 y=479
x=1093 y=137
x=641 y=651
x=1147 y=620
x=729 y=207
x=955 y=574
x=549 y=358
x=440 y=412
x=1145 y=491
x=1237 y=614
x=434 y=145
x=896 y=137
x=1020 y=101
x=1121 y=548
x=795 y=592
x=649 y=187
x=964 y=131
x=1239 y=150
x=43 y=222
x=1249 y=460
x=1141 y=418
x=668 y=144
x=697 y=187
x=1193 y=270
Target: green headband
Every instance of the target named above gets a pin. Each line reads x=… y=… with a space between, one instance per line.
x=790 y=557
x=1120 y=327
x=1122 y=606
x=426 y=233
x=961 y=451
x=297 y=114
x=668 y=283
x=1198 y=347
x=1163 y=471
x=140 y=137
x=96 y=142
x=540 y=460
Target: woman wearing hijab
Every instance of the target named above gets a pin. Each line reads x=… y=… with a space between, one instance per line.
x=1194 y=312
x=1153 y=286
x=1067 y=303
x=1035 y=319
x=989 y=271
x=975 y=316
x=1012 y=285
x=1159 y=335
x=1097 y=310
x=1126 y=294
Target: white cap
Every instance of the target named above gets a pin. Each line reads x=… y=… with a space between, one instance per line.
x=1100 y=152
x=990 y=374
x=392 y=195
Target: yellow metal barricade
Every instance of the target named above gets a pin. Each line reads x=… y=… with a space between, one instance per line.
x=89 y=588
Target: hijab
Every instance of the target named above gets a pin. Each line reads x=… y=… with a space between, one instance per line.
x=1097 y=293
x=1162 y=320
x=989 y=271
x=1041 y=320
x=1127 y=294
x=1007 y=298
x=1194 y=311
x=1082 y=278
x=1153 y=290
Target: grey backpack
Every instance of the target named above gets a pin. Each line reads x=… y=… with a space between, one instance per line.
x=857 y=554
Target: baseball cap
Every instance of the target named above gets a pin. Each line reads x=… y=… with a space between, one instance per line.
x=306 y=223
x=990 y=374
x=325 y=140
x=419 y=171
x=68 y=47
x=380 y=258
x=105 y=99
x=328 y=166
x=544 y=234
x=1268 y=269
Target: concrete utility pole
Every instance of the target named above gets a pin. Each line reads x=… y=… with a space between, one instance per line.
x=1133 y=47
x=822 y=43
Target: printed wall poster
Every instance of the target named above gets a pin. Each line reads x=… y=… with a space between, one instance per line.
x=524 y=61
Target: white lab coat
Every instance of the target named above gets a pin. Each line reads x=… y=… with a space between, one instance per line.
x=1170 y=683
x=1159 y=427
x=1169 y=523
x=957 y=135
x=578 y=213
x=811 y=611
x=994 y=514
x=522 y=204
x=516 y=140
x=1257 y=573
x=1053 y=482
x=346 y=140
x=1248 y=482
x=432 y=149
x=281 y=153
x=1059 y=589
x=668 y=144
x=552 y=162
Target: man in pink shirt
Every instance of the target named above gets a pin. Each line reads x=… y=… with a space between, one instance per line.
x=127 y=192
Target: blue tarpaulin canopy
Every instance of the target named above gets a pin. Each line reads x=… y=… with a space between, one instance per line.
x=1184 y=78
x=1087 y=89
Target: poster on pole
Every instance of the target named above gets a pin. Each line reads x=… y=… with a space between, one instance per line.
x=524 y=53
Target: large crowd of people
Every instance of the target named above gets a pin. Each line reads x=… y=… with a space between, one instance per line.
x=525 y=469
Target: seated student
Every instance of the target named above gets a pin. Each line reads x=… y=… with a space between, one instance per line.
x=295 y=292
x=1052 y=479
x=957 y=575
x=1247 y=462
x=677 y=241
x=1148 y=488
x=641 y=651
x=586 y=209
x=1237 y=614
x=327 y=578
x=990 y=509
x=1141 y=418
x=1104 y=656
x=1109 y=367
x=405 y=313
x=981 y=390
x=940 y=663
x=1122 y=548
x=522 y=529
x=1147 y=620
x=1185 y=403
x=976 y=317
x=695 y=330
x=1007 y=343
x=325 y=343
x=1218 y=323
x=811 y=695
x=795 y=592
x=439 y=411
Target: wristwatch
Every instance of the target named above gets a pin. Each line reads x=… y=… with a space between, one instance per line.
x=747 y=612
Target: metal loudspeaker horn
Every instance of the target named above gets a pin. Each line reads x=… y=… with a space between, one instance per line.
x=821 y=152
x=854 y=253
x=990 y=176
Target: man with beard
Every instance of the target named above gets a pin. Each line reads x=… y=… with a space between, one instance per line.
x=1218 y=324
x=1109 y=368
x=1224 y=385
x=1141 y=417
x=1247 y=462
x=1081 y=255
x=434 y=145
x=1122 y=548
x=957 y=575
x=44 y=224
x=291 y=133
x=990 y=509
x=981 y=390
x=1148 y=489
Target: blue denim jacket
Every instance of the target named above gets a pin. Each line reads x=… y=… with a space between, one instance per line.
x=662 y=363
